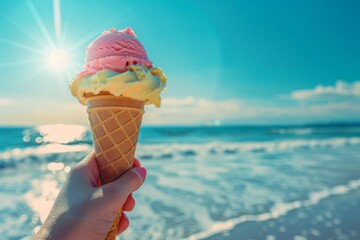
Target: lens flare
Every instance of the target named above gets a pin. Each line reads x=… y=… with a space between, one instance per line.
x=58 y=59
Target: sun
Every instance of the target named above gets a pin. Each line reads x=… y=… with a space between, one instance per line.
x=58 y=59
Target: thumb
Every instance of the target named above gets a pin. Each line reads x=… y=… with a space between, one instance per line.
x=121 y=188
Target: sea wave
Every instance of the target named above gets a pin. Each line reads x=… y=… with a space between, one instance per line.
x=61 y=152
x=43 y=153
x=315 y=130
x=163 y=150
x=280 y=209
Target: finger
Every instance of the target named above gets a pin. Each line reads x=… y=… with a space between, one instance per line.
x=86 y=170
x=88 y=159
x=129 y=203
x=91 y=169
x=121 y=188
x=123 y=224
x=136 y=163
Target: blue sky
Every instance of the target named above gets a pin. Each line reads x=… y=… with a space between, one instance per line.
x=257 y=62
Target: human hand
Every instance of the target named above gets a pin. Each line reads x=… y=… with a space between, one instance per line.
x=85 y=210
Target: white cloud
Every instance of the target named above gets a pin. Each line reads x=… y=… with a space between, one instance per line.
x=194 y=111
x=5 y=101
x=340 y=91
x=189 y=110
x=33 y=112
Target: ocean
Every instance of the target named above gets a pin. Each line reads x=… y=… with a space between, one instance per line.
x=235 y=182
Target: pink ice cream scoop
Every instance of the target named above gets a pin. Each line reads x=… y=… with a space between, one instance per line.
x=115 y=50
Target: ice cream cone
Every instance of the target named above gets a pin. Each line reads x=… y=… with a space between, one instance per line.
x=115 y=124
x=116 y=64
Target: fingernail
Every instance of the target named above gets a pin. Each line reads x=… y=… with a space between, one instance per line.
x=141 y=171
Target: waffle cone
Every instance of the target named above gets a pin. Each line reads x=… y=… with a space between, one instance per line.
x=115 y=124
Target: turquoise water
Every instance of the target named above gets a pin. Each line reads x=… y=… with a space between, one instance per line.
x=203 y=182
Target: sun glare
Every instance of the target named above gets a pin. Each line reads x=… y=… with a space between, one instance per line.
x=53 y=53
x=58 y=59
x=61 y=133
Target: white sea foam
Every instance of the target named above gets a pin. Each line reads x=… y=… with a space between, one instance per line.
x=297 y=131
x=172 y=150
x=16 y=155
x=165 y=150
x=43 y=149
x=278 y=210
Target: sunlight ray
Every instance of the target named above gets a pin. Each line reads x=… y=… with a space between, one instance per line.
x=67 y=74
x=73 y=71
x=88 y=37
x=65 y=24
x=22 y=46
x=18 y=63
x=57 y=19
x=77 y=64
x=39 y=70
x=40 y=23
x=21 y=29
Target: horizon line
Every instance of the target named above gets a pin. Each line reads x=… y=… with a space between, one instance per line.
x=307 y=124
